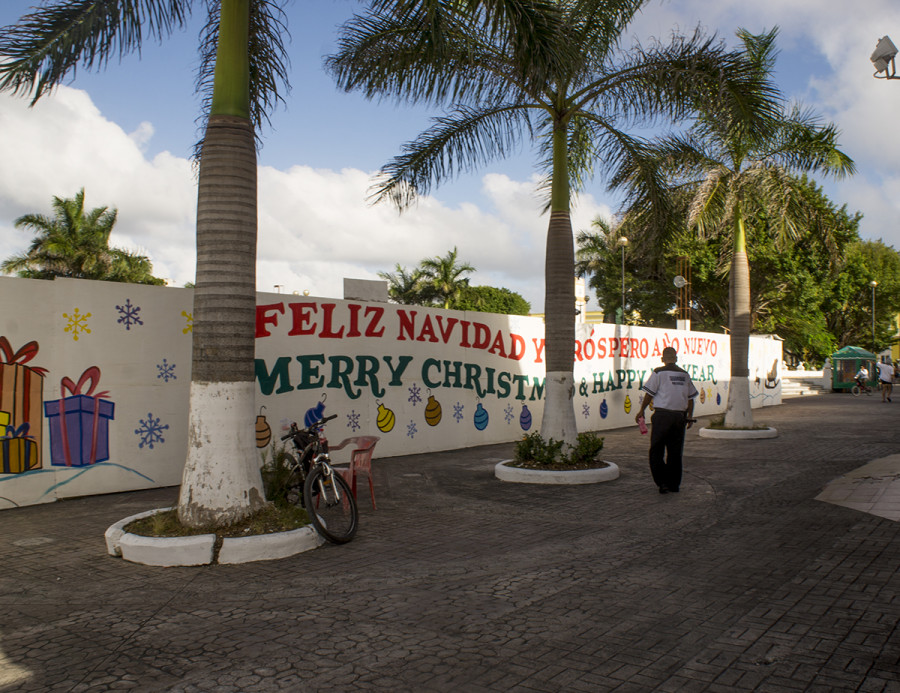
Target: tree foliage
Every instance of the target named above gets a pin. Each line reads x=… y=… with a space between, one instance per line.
x=439 y=281
x=74 y=243
x=813 y=291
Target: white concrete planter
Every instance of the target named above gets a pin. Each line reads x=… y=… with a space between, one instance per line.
x=199 y=549
x=738 y=434
x=504 y=472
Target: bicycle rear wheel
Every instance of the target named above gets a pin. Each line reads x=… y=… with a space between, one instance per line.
x=855 y=390
x=331 y=506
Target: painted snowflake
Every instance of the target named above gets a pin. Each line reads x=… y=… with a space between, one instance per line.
x=411 y=430
x=458 y=411
x=415 y=394
x=508 y=413
x=150 y=431
x=129 y=314
x=353 y=420
x=166 y=371
x=586 y=409
x=189 y=325
x=77 y=323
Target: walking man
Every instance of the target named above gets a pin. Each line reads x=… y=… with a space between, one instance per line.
x=672 y=392
x=886 y=376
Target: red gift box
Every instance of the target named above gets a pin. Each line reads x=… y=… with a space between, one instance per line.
x=21 y=396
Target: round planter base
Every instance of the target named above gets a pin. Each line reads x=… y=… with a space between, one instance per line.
x=504 y=472
x=738 y=434
x=200 y=549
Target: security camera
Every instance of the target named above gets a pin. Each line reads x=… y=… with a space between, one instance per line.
x=885 y=50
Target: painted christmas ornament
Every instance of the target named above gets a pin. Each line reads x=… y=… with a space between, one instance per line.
x=386 y=419
x=263 y=430
x=604 y=409
x=525 y=418
x=627 y=404
x=481 y=417
x=718 y=398
x=702 y=395
x=433 y=411
x=313 y=414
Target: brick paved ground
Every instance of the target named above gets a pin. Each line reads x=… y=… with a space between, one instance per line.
x=459 y=582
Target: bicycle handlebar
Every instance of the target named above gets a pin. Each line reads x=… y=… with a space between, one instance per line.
x=295 y=430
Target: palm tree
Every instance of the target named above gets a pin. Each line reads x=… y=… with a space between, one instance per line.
x=568 y=89
x=445 y=276
x=242 y=68
x=75 y=243
x=736 y=176
x=406 y=286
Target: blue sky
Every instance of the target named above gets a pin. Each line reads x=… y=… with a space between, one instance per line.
x=126 y=134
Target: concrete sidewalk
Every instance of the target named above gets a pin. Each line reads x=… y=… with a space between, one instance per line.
x=744 y=581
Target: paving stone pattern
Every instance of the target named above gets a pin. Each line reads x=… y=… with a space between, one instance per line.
x=460 y=582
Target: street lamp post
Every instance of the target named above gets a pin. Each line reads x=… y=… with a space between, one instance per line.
x=622 y=242
x=873 y=284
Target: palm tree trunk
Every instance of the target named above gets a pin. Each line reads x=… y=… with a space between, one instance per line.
x=739 y=413
x=559 y=421
x=221 y=482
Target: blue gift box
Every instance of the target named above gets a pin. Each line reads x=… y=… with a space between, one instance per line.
x=85 y=429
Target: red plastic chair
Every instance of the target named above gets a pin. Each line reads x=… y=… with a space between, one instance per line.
x=360 y=461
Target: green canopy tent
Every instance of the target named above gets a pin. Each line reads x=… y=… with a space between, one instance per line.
x=845 y=364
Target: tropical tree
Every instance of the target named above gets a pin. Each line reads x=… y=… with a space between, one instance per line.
x=737 y=176
x=568 y=89
x=491 y=299
x=75 y=243
x=445 y=275
x=406 y=286
x=241 y=71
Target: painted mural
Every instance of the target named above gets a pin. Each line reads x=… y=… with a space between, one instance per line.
x=95 y=376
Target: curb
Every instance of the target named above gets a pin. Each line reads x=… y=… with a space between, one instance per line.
x=738 y=434
x=200 y=549
x=504 y=472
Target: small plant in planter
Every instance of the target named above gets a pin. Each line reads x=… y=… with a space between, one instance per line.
x=533 y=452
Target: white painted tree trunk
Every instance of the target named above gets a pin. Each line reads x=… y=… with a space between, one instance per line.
x=558 y=421
x=739 y=414
x=221 y=480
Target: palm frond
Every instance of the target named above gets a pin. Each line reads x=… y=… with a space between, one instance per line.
x=53 y=40
x=455 y=143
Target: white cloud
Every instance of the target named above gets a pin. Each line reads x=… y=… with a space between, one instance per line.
x=315 y=225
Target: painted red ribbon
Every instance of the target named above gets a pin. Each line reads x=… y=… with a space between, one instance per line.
x=20 y=357
x=92 y=376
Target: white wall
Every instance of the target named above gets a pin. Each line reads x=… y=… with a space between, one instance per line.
x=421 y=379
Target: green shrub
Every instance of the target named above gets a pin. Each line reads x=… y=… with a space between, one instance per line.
x=276 y=474
x=534 y=449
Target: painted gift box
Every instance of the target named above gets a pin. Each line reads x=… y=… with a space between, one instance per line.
x=18 y=450
x=21 y=396
x=79 y=424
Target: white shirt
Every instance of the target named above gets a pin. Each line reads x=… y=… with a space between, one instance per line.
x=671 y=388
x=885 y=372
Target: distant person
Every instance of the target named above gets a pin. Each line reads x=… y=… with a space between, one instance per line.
x=886 y=376
x=672 y=392
x=862 y=375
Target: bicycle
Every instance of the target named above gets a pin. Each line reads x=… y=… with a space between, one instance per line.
x=326 y=495
x=859 y=388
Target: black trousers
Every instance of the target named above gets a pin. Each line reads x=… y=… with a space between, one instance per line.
x=666 y=447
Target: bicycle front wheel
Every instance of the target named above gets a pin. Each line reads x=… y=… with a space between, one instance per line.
x=331 y=505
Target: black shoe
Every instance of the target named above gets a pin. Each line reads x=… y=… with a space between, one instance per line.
x=663 y=489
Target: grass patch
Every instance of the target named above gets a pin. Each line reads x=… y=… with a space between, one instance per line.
x=272 y=518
